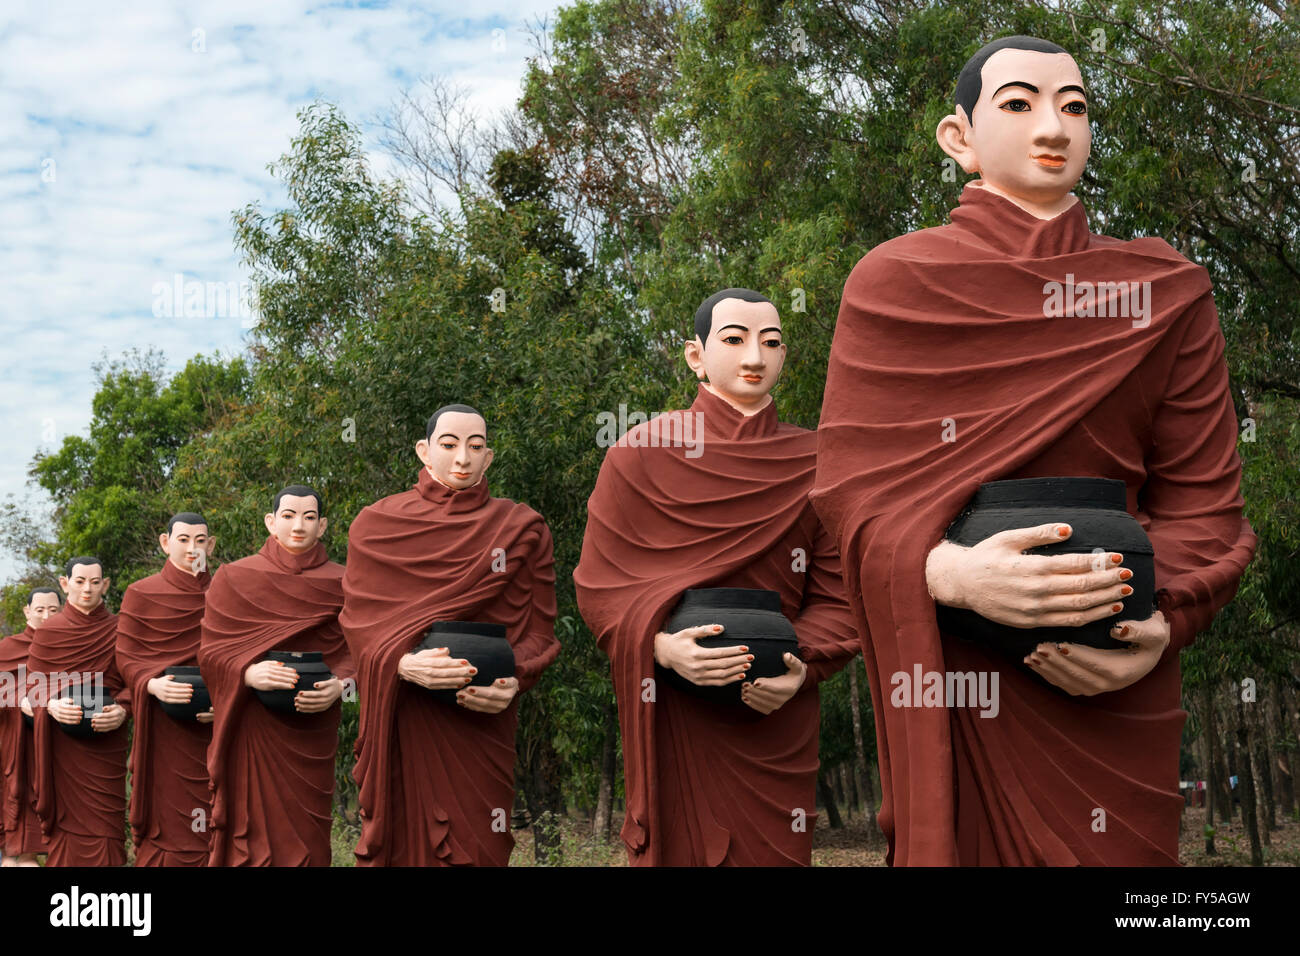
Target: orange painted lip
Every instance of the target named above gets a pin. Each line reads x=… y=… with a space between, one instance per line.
x=460 y=474
x=1050 y=159
x=752 y=378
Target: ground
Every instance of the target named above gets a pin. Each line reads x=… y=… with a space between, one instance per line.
x=849 y=845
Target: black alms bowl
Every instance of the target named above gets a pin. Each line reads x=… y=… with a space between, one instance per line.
x=749 y=616
x=483 y=644
x=311 y=667
x=200 y=701
x=1095 y=510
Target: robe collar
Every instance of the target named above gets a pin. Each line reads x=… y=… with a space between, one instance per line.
x=726 y=421
x=452 y=500
x=292 y=563
x=1001 y=224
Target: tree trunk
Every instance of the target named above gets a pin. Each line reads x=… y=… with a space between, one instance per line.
x=1285 y=750
x=600 y=825
x=1246 y=785
x=1207 y=704
x=860 y=758
x=850 y=791
x=1263 y=770
x=828 y=801
x=1218 y=777
x=545 y=804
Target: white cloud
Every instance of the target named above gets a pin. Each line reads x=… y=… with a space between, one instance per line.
x=153 y=146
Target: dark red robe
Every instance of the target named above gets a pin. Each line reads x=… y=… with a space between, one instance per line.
x=710 y=783
x=158 y=627
x=272 y=774
x=19 y=822
x=952 y=323
x=437 y=780
x=80 y=782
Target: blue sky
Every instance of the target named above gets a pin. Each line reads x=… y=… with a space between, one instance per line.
x=129 y=133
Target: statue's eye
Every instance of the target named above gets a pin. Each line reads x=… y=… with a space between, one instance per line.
x=733 y=340
x=773 y=343
x=1015 y=106
x=1077 y=107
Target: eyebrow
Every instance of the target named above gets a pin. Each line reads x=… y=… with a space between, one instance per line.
x=745 y=328
x=1072 y=88
x=457 y=437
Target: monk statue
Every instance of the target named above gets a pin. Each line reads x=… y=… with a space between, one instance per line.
x=20 y=828
x=426 y=567
x=954 y=369
x=714 y=499
x=158 y=628
x=80 y=781
x=272 y=771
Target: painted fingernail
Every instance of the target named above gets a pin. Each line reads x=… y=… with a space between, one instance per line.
x=1117 y=608
x=1065 y=651
x=750 y=657
x=471 y=691
x=473 y=670
x=1116 y=558
x=746 y=666
x=716 y=628
x=1063 y=531
x=1125 y=590
x=1125 y=574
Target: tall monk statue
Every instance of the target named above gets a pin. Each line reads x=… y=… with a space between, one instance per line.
x=436 y=776
x=272 y=771
x=158 y=629
x=23 y=840
x=954 y=365
x=80 y=781
x=715 y=497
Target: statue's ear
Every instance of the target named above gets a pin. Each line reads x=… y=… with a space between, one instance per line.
x=955 y=136
x=694 y=352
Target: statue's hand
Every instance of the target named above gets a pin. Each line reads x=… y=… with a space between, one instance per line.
x=271 y=675
x=109 y=719
x=1086 y=671
x=435 y=669
x=491 y=699
x=705 y=666
x=169 y=691
x=65 y=710
x=996 y=581
x=768 y=693
x=320 y=699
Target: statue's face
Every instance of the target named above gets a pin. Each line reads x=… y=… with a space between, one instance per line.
x=85 y=586
x=189 y=546
x=42 y=606
x=457 y=453
x=298 y=524
x=1031 y=137
x=744 y=354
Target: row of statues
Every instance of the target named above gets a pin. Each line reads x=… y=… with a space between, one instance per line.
x=949 y=371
